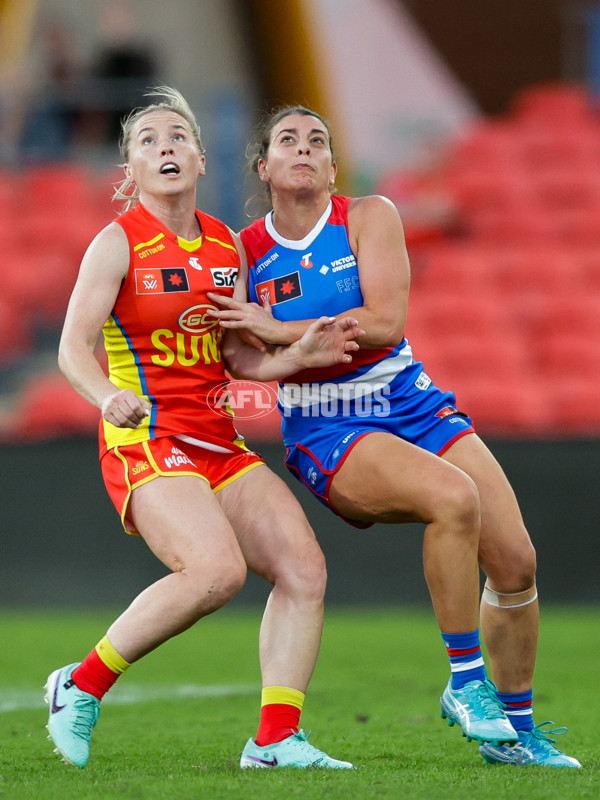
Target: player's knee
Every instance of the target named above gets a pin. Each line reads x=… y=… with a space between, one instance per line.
x=525 y=565
x=304 y=574
x=216 y=582
x=514 y=567
x=458 y=504
x=313 y=573
x=232 y=576
x=227 y=584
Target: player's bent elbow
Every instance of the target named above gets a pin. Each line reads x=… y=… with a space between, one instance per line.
x=386 y=336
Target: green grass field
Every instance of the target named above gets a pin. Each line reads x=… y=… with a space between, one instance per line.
x=174 y=726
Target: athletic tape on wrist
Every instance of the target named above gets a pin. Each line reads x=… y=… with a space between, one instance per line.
x=509 y=599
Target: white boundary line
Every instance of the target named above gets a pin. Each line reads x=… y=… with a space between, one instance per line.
x=127 y=694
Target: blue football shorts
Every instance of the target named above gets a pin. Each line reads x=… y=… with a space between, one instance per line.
x=412 y=407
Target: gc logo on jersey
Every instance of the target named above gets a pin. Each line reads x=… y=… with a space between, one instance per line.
x=223 y=276
x=196 y=320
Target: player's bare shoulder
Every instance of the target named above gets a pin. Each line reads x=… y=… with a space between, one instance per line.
x=373 y=214
x=369 y=206
x=108 y=253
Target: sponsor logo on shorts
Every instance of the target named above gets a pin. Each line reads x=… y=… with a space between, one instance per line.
x=312 y=475
x=448 y=411
x=242 y=399
x=177 y=459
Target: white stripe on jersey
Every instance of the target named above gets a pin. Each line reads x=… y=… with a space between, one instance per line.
x=363 y=384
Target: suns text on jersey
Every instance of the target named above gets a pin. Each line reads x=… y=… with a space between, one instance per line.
x=185 y=349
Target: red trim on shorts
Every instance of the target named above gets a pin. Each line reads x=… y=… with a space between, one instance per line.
x=458 y=436
x=331 y=472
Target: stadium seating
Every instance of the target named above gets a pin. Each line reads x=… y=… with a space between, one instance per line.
x=48 y=407
x=517 y=295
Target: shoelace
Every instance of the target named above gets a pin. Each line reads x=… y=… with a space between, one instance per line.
x=303 y=737
x=85 y=718
x=492 y=707
x=542 y=735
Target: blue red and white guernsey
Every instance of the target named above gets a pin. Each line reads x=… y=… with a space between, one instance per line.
x=158 y=339
x=326 y=411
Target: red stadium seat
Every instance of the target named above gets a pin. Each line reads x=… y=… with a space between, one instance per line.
x=575 y=312
x=563 y=187
x=498 y=408
x=440 y=312
x=490 y=187
x=568 y=356
x=16 y=336
x=50 y=407
x=545 y=269
x=454 y=268
x=59 y=184
x=484 y=144
x=554 y=102
x=575 y=407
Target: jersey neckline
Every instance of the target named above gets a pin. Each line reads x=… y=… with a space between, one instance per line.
x=298 y=244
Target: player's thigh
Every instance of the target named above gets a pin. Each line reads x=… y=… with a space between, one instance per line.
x=183 y=524
x=386 y=479
x=505 y=546
x=270 y=524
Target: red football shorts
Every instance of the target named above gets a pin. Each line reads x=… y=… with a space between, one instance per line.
x=125 y=468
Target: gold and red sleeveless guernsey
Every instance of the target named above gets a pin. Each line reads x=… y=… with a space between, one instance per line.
x=158 y=339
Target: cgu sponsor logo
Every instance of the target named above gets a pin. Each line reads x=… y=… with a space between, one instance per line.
x=186 y=350
x=177 y=458
x=141 y=466
x=242 y=399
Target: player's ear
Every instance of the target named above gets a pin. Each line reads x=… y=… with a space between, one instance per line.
x=333 y=173
x=261 y=168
